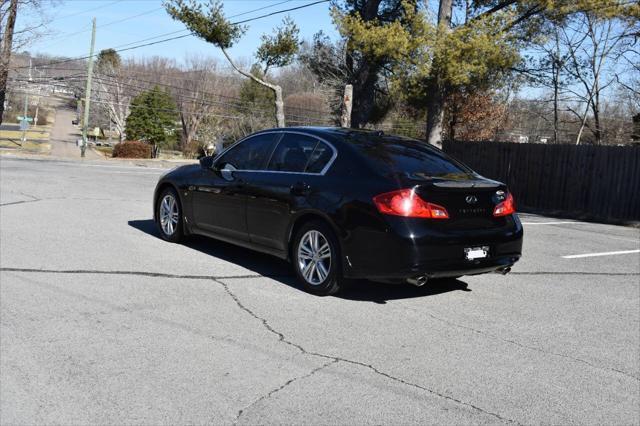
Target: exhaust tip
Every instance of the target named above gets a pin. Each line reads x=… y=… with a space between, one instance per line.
x=504 y=271
x=418 y=281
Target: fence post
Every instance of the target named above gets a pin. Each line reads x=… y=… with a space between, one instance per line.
x=347 y=102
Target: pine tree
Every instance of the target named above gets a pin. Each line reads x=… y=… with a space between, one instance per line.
x=153 y=118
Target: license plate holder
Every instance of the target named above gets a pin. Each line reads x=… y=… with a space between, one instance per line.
x=475 y=253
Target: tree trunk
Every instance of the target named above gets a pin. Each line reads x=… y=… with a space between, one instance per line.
x=596 y=115
x=347 y=105
x=364 y=74
x=583 y=123
x=5 y=55
x=556 y=64
x=435 y=117
x=436 y=102
x=184 y=137
x=555 y=104
x=277 y=90
x=364 y=93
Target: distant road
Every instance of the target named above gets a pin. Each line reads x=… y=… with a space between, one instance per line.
x=64 y=136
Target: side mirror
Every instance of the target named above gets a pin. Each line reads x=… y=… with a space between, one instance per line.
x=206 y=162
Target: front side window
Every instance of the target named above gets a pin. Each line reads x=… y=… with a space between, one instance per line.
x=250 y=154
x=293 y=153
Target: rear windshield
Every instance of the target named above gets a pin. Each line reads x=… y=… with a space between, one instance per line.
x=401 y=155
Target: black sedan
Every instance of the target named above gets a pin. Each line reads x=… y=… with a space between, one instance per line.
x=342 y=203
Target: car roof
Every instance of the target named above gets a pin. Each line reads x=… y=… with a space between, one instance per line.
x=342 y=134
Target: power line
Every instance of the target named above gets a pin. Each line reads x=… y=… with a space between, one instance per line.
x=247 y=107
x=86 y=11
x=127 y=18
x=181 y=36
x=237 y=102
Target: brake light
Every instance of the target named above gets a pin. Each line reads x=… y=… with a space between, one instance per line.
x=505 y=208
x=405 y=202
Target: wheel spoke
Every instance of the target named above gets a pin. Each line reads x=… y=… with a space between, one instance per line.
x=314 y=257
x=325 y=251
x=305 y=249
x=169 y=214
x=315 y=272
x=306 y=270
x=316 y=242
x=322 y=271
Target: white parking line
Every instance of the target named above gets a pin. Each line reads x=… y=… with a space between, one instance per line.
x=607 y=253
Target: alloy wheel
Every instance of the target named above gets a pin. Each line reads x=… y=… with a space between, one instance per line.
x=169 y=214
x=314 y=257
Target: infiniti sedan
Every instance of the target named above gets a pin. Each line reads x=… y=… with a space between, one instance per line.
x=341 y=204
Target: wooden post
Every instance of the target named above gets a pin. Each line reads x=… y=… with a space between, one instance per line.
x=347 y=103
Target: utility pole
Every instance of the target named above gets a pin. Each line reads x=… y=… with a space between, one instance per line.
x=110 y=127
x=5 y=55
x=87 y=92
x=24 y=117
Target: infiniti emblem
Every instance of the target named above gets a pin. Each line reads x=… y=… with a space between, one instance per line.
x=471 y=199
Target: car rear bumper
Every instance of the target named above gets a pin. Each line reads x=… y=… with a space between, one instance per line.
x=401 y=252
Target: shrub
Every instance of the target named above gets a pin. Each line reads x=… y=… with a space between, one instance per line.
x=132 y=149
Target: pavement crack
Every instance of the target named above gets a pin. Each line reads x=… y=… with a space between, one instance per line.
x=32 y=199
x=612 y=274
x=282 y=338
x=281 y=387
x=532 y=348
x=133 y=273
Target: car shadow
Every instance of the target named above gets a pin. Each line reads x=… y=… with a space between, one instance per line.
x=280 y=270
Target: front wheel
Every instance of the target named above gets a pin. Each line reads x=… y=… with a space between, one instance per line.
x=316 y=258
x=170 y=216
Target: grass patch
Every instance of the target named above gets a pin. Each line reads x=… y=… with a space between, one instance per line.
x=107 y=151
x=34 y=146
x=31 y=135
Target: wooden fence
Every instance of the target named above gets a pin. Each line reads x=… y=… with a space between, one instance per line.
x=597 y=182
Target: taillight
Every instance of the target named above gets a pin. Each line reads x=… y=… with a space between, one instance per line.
x=505 y=208
x=405 y=202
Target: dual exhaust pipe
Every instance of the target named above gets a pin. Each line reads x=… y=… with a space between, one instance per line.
x=421 y=280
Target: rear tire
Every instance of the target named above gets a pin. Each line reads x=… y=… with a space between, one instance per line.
x=169 y=216
x=316 y=258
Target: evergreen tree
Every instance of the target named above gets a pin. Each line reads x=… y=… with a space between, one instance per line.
x=153 y=118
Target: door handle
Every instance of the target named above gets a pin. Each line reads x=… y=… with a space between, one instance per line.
x=300 y=188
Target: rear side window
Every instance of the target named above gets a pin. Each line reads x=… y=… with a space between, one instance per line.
x=293 y=153
x=319 y=158
x=399 y=155
x=250 y=154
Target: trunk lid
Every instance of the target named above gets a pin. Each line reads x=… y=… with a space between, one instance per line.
x=469 y=201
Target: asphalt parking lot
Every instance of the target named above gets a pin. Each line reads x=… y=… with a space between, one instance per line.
x=103 y=322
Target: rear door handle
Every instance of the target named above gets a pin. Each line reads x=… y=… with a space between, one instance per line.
x=300 y=188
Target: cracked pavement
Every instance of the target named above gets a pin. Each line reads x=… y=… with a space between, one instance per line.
x=103 y=322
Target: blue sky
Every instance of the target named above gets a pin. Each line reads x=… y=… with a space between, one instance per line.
x=71 y=26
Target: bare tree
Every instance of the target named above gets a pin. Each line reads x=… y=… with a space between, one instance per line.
x=33 y=15
x=114 y=89
x=592 y=46
x=197 y=83
x=7 y=41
